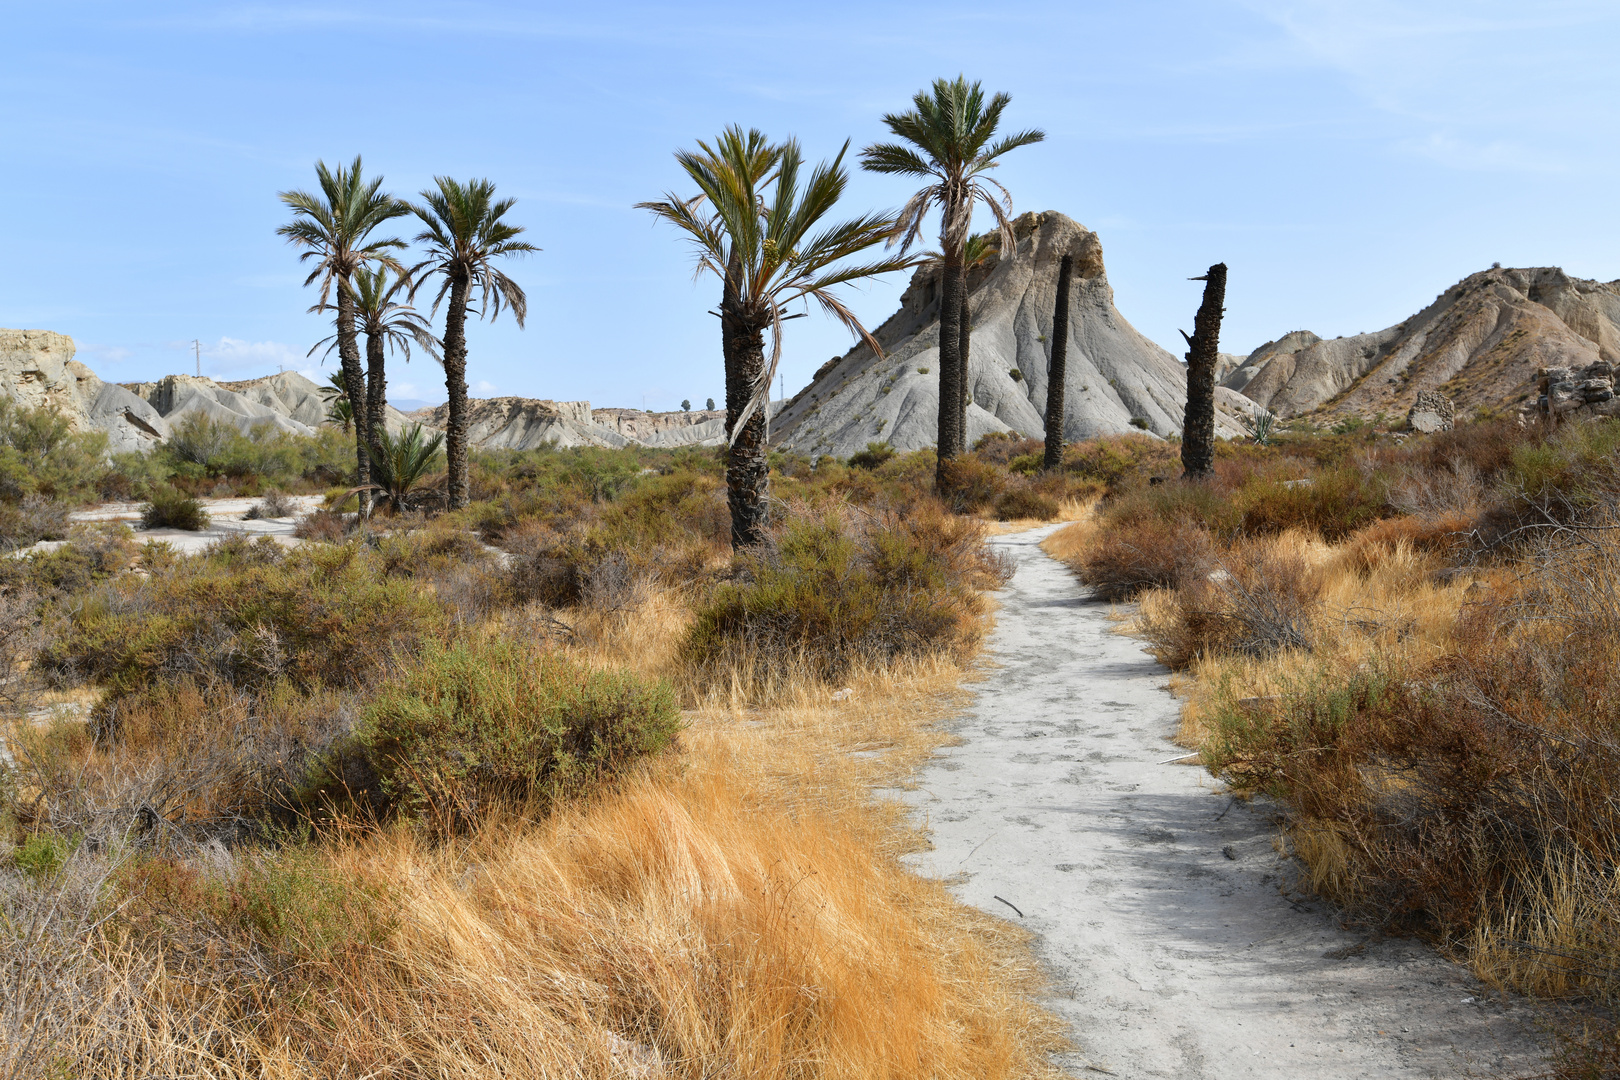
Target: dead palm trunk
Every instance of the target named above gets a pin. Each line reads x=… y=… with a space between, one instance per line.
x=455 y=385
x=950 y=367
x=354 y=385
x=1057 y=368
x=376 y=382
x=747 y=466
x=1198 y=423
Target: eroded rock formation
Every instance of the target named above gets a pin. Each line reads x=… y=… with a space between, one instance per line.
x=1117 y=380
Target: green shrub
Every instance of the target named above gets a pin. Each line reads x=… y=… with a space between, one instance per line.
x=875 y=454
x=319 y=615
x=971 y=483
x=41 y=453
x=171 y=508
x=472 y=723
x=1021 y=503
x=43 y=854
x=836 y=592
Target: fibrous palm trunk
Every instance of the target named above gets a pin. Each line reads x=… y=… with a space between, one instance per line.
x=1198 y=423
x=965 y=335
x=376 y=381
x=354 y=385
x=455 y=386
x=1057 y=368
x=950 y=369
x=747 y=467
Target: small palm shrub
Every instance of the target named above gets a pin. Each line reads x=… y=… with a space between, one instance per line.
x=171 y=508
x=471 y=724
x=401 y=464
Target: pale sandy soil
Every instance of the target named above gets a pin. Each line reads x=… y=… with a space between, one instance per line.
x=1176 y=944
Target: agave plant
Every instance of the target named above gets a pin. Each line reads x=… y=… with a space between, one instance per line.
x=1262 y=425
x=401 y=464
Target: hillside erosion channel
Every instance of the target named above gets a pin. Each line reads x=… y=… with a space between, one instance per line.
x=1170 y=926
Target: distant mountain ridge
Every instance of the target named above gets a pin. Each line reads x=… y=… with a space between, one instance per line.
x=1480 y=344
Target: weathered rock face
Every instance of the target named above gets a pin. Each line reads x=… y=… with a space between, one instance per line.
x=287 y=402
x=1480 y=345
x=1432 y=411
x=514 y=423
x=1573 y=394
x=37 y=369
x=1118 y=380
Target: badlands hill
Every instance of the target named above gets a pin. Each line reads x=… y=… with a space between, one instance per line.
x=1118 y=380
x=1480 y=344
x=515 y=423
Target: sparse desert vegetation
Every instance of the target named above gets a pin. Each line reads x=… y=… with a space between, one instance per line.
x=551 y=785
x=1409 y=647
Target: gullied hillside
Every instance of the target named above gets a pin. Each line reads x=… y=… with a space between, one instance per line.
x=1480 y=344
x=1118 y=380
x=516 y=423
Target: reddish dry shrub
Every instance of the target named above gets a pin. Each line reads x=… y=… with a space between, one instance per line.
x=1259 y=599
x=1020 y=503
x=971 y=483
x=1150 y=553
x=1375 y=543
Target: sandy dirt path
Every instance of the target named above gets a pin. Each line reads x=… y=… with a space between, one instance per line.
x=1159 y=903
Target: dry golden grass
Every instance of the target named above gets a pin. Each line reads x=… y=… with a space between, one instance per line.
x=736 y=909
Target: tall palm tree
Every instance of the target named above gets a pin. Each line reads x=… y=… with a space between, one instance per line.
x=977 y=251
x=463 y=233
x=751 y=224
x=388 y=324
x=950 y=133
x=336 y=396
x=334 y=228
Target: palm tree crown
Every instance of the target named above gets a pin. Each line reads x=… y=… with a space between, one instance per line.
x=335 y=226
x=463 y=233
x=754 y=224
x=379 y=314
x=950 y=133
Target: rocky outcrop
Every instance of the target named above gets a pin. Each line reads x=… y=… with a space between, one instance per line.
x=1479 y=345
x=286 y=402
x=1432 y=411
x=37 y=368
x=1118 y=381
x=1573 y=394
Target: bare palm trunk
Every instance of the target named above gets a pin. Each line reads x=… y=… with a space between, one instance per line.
x=966 y=336
x=1198 y=423
x=354 y=385
x=747 y=466
x=455 y=385
x=376 y=389
x=950 y=368
x=1057 y=368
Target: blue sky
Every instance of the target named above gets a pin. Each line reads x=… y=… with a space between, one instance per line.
x=1347 y=160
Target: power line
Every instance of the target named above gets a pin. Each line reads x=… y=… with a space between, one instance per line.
x=196 y=348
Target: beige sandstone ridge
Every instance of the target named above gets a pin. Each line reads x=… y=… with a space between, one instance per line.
x=515 y=423
x=1115 y=374
x=1482 y=344
x=37 y=368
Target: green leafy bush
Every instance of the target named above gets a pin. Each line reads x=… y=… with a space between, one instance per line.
x=471 y=723
x=838 y=590
x=171 y=508
x=875 y=454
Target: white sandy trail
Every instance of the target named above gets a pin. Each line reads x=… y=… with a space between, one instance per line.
x=1171 y=948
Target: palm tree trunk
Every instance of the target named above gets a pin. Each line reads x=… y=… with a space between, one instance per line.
x=354 y=385
x=1057 y=368
x=950 y=368
x=747 y=466
x=376 y=380
x=966 y=336
x=1198 y=423
x=455 y=385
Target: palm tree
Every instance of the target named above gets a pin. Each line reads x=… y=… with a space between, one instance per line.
x=751 y=225
x=978 y=250
x=388 y=324
x=950 y=136
x=464 y=233
x=400 y=462
x=334 y=228
x=336 y=396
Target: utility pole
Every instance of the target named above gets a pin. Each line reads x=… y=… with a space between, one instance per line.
x=196 y=348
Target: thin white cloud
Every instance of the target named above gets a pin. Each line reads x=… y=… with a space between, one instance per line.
x=484 y=387
x=233 y=354
x=112 y=354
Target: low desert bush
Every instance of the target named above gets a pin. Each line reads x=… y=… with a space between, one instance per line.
x=972 y=484
x=837 y=589
x=171 y=508
x=1024 y=503
x=275 y=504
x=31 y=519
x=1260 y=598
x=467 y=726
x=1123 y=561
x=318 y=615
x=326 y=526
x=875 y=454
